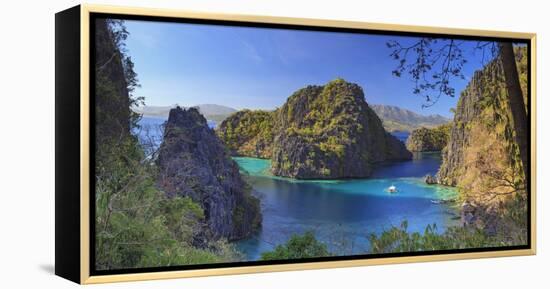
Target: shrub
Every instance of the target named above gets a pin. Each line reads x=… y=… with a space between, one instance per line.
x=298 y=247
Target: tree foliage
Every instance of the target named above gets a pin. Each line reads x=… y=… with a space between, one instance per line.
x=298 y=247
x=488 y=154
x=398 y=239
x=429 y=139
x=248 y=133
x=136 y=224
x=485 y=162
x=511 y=231
x=431 y=63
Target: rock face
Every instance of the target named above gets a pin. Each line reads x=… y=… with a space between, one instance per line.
x=480 y=217
x=430 y=180
x=112 y=100
x=328 y=132
x=480 y=144
x=428 y=139
x=248 y=133
x=193 y=162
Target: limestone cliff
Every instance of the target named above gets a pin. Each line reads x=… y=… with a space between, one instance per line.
x=248 y=133
x=328 y=132
x=112 y=99
x=428 y=139
x=193 y=162
x=481 y=157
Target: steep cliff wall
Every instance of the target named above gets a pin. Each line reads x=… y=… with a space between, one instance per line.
x=321 y=132
x=112 y=100
x=193 y=162
x=428 y=139
x=248 y=133
x=327 y=132
x=481 y=157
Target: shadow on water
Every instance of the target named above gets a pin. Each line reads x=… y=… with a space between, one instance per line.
x=421 y=165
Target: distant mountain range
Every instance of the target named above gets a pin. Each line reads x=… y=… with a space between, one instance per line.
x=213 y=112
x=394 y=118
x=399 y=119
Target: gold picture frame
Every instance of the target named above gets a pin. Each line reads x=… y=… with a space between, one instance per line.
x=69 y=243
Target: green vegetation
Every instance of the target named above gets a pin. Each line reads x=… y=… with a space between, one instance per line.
x=320 y=119
x=484 y=163
x=298 y=247
x=246 y=207
x=136 y=225
x=314 y=131
x=429 y=139
x=398 y=240
x=487 y=167
x=318 y=126
x=509 y=228
x=324 y=125
x=511 y=231
x=248 y=133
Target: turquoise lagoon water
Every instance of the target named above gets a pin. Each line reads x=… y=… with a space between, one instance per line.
x=343 y=213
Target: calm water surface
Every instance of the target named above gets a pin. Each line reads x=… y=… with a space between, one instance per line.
x=340 y=213
x=343 y=213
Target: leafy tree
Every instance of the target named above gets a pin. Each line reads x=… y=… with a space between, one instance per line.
x=136 y=224
x=429 y=139
x=512 y=230
x=397 y=239
x=298 y=247
x=248 y=133
x=432 y=62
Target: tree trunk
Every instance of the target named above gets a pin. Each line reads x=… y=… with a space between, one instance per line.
x=515 y=102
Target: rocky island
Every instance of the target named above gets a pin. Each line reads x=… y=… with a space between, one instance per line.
x=193 y=162
x=315 y=132
x=248 y=133
x=178 y=186
x=428 y=139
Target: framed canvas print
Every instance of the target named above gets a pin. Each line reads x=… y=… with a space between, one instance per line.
x=193 y=144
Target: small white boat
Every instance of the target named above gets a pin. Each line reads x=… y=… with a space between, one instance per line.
x=392 y=189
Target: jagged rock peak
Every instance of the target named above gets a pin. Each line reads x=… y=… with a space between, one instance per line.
x=319 y=128
x=193 y=162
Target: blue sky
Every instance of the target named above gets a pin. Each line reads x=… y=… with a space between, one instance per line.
x=258 y=68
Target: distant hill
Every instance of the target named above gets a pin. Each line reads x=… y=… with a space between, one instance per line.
x=214 y=112
x=399 y=119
